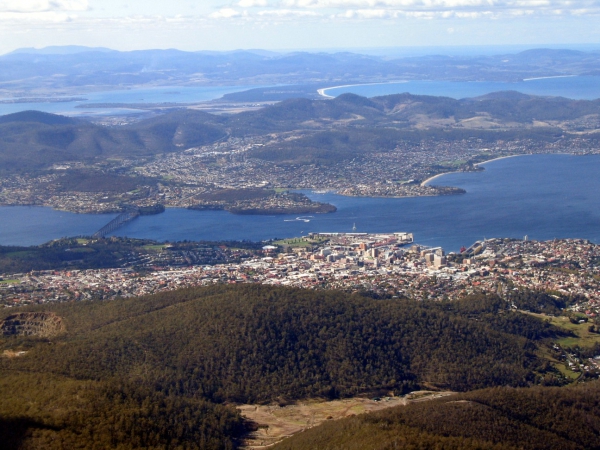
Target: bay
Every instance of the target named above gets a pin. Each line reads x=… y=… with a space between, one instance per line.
x=165 y=94
x=584 y=87
x=580 y=88
x=542 y=196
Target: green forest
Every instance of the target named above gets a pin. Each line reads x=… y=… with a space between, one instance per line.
x=163 y=371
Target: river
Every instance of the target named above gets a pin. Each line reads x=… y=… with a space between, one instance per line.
x=571 y=87
x=542 y=196
x=164 y=94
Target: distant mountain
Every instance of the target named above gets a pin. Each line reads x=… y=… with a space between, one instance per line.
x=503 y=95
x=32 y=140
x=265 y=53
x=340 y=128
x=547 y=55
x=60 y=50
x=71 y=67
x=37 y=117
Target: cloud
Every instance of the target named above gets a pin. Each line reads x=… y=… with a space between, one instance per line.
x=252 y=3
x=56 y=13
x=386 y=9
x=42 y=6
x=361 y=10
x=225 y=13
x=439 y=4
x=288 y=13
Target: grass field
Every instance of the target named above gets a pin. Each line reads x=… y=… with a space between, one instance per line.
x=582 y=338
x=9 y=281
x=154 y=247
x=82 y=250
x=299 y=242
x=453 y=164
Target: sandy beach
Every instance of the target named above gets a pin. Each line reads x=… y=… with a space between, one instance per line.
x=323 y=90
x=497 y=159
x=430 y=179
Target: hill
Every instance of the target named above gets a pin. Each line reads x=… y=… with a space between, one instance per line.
x=32 y=69
x=500 y=418
x=33 y=140
x=37 y=117
x=158 y=369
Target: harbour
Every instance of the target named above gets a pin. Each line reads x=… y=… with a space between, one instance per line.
x=542 y=196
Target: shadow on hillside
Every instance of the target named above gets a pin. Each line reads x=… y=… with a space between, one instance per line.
x=14 y=431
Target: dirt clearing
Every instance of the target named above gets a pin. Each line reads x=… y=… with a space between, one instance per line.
x=275 y=423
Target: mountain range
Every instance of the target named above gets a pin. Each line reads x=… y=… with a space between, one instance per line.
x=35 y=140
x=70 y=69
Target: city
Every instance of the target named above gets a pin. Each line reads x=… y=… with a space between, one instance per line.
x=382 y=263
x=192 y=177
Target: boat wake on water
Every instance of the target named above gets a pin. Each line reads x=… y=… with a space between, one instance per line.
x=305 y=219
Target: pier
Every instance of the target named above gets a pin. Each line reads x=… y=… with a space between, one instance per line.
x=475 y=249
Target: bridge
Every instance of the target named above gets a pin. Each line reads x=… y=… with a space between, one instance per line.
x=116 y=223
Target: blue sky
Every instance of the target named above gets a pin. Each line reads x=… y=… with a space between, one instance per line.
x=295 y=24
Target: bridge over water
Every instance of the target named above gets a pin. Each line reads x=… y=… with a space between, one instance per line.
x=116 y=223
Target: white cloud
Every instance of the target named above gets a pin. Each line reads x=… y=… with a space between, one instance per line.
x=225 y=13
x=437 y=4
x=41 y=6
x=252 y=3
x=288 y=13
x=57 y=13
x=12 y=19
x=445 y=9
x=373 y=4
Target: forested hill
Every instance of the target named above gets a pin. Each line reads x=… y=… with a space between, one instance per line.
x=255 y=343
x=499 y=419
x=133 y=370
x=34 y=140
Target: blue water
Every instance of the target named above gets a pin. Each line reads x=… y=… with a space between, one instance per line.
x=570 y=87
x=582 y=88
x=173 y=94
x=542 y=196
x=32 y=225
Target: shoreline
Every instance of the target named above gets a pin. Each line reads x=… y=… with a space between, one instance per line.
x=499 y=158
x=322 y=93
x=428 y=180
x=548 y=78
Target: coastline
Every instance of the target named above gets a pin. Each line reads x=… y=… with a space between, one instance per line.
x=548 y=78
x=499 y=158
x=424 y=183
x=322 y=91
x=428 y=180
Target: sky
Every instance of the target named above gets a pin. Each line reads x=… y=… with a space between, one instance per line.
x=295 y=24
